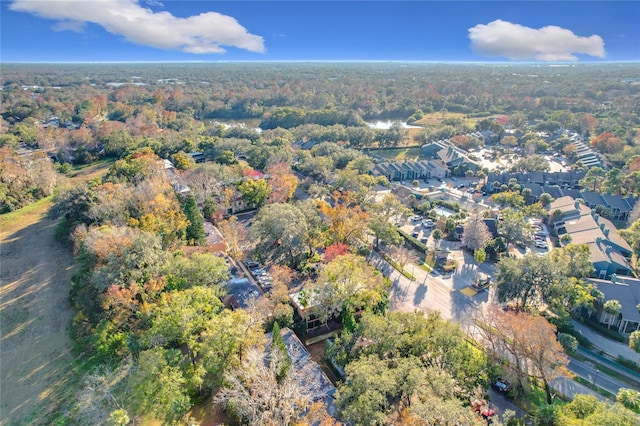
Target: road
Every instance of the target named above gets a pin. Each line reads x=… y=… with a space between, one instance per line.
x=594 y=376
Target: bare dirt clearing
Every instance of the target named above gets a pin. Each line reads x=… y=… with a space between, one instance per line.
x=36 y=372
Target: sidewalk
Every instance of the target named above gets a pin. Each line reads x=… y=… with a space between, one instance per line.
x=611 y=347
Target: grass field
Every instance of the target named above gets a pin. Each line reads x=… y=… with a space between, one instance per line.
x=38 y=371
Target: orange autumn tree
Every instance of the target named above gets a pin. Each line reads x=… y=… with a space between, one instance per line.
x=283 y=183
x=344 y=218
x=527 y=342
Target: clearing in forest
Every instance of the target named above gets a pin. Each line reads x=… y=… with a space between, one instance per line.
x=37 y=372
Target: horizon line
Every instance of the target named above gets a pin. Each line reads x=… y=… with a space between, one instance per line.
x=352 y=61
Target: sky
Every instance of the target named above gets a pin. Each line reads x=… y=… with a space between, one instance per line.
x=211 y=31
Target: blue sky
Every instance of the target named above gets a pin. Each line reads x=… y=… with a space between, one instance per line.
x=150 y=30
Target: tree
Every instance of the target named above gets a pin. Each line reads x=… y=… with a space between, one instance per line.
x=573 y=260
x=383 y=217
x=531 y=163
x=526 y=281
x=545 y=199
x=255 y=192
x=613 y=308
x=278 y=353
x=235 y=236
x=346 y=285
x=344 y=219
x=613 y=181
x=479 y=256
x=508 y=198
x=283 y=183
x=183 y=161
x=527 y=342
x=158 y=386
x=512 y=227
x=254 y=394
x=437 y=236
x=634 y=341
x=195 y=232
x=593 y=178
x=630 y=398
x=211 y=339
x=281 y=233
x=198 y=269
x=103 y=392
x=476 y=234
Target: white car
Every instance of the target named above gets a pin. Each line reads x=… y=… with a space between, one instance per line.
x=428 y=223
x=542 y=244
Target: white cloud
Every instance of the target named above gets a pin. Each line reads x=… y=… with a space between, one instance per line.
x=514 y=41
x=204 y=33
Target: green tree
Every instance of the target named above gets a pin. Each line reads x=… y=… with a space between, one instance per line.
x=281 y=233
x=158 y=386
x=634 y=341
x=614 y=181
x=545 y=199
x=508 y=198
x=195 y=232
x=526 y=281
x=212 y=339
x=512 y=227
x=348 y=284
x=255 y=192
x=437 y=236
x=183 y=161
x=630 y=398
x=594 y=178
x=278 y=350
x=613 y=308
x=383 y=217
x=199 y=269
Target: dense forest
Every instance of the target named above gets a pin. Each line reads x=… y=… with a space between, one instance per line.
x=290 y=145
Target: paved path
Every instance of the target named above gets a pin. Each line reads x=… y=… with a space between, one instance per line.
x=605 y=344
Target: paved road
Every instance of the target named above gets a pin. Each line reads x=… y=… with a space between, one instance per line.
x=593 y=375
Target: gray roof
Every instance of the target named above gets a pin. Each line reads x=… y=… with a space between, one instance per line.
x=312 y=377
x=243 y=290
x=625 y=290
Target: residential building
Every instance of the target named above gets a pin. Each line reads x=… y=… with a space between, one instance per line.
x=625 y=290
x=610 y=253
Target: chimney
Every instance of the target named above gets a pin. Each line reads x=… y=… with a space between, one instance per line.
x=576 y=204
x=606 y=232
x=602 y=227
x=608 y=250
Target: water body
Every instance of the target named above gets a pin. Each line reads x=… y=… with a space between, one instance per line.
x=385 y=125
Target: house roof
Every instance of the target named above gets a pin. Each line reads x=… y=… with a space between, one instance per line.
x=213 y=235
x=592 y=198
x=623 y=289
x=617 y=202
x=600 y=252
x=310 y=377
x=492 y=224
x=243 y=291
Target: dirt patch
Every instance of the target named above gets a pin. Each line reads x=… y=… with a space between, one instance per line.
x=35 y=272
x=36 y=371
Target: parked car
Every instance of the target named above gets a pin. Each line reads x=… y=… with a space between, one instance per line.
x=428 y=223
x=542 y=244
x=415 y=234
x=424 y=240
x=501 y=385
